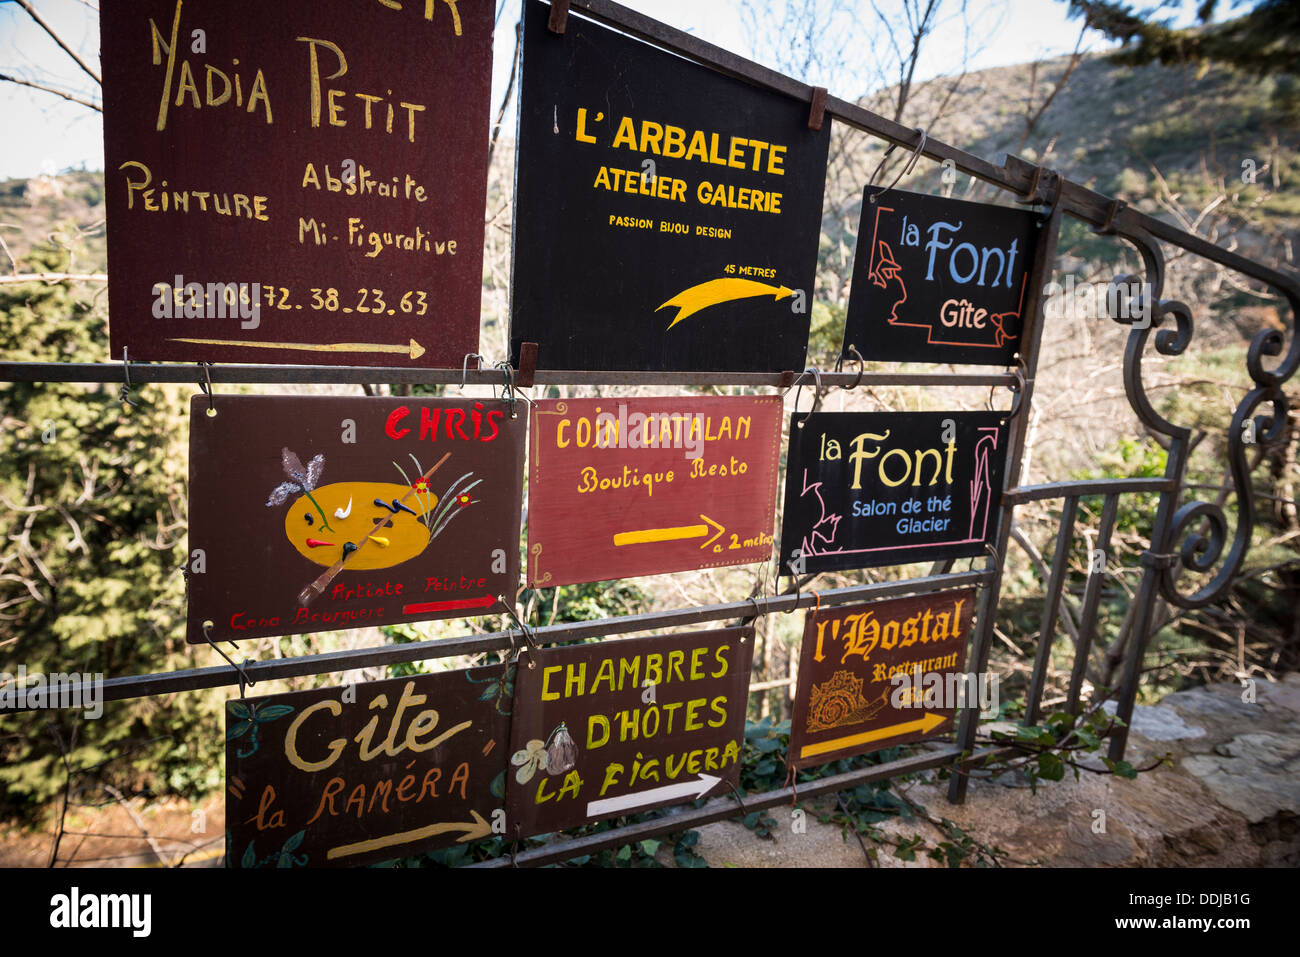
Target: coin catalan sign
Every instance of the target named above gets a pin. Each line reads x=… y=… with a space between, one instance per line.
x=625 y=487
x=877 y=675
x=338 y=777
x=666 y=216
x=321 y=513
x=939 y=280
x=864 y=489
x=296 y=182
x=622 y=726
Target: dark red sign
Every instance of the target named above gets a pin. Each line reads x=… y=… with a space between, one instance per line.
x=877 y=675
x=626 y=487
x=296 y=182
x=625 y=725
x=339 y=777
x=320 y=513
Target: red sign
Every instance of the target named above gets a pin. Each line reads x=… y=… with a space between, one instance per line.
x=877 y=675
x=296 y=182
x=625 y=487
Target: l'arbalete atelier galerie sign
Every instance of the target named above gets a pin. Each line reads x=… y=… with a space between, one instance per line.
x=666 y=217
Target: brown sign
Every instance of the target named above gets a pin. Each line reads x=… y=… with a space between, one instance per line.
x=877 y=675
x=626 y=487
x=339 y=777
x=296 y=182
x=318 y=514
x=625 y=725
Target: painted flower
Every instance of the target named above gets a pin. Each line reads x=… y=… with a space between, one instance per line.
x=530 y=759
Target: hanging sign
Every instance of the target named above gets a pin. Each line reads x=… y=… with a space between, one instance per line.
x=939 y=280
x=625 y=487
x=296 y=183
x=864 y=489
x=340 y=777
x=625 y=725
x=877 y=675
x=666 y=216
x=320 y=513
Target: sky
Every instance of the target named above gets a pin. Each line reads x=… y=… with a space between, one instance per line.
x=41 y=133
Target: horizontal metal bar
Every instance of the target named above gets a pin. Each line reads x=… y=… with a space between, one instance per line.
x=194 y=679
x=356 y=375
x=1078 y=489
x=720 y=809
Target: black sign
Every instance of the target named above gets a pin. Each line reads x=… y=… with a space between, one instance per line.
x=666 y=216
x=888 y=488
x=939 y=280
x=339 y=777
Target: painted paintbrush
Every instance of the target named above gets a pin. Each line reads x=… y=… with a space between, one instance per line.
x=308 y=594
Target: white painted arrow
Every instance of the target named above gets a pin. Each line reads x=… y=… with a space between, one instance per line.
x=686 y=789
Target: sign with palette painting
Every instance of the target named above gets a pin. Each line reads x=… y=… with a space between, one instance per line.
x=626 y=725
x=296 y=182
x=864 y=489
x=641 y=486
x=666 y=216
x=878 y=675
x=354 y=775
x=939 y=280
x=319 y=513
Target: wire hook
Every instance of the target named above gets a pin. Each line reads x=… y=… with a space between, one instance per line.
x=464 y=365
x=862 y=366
x=817 y=395
x=907 y=167
x=206 y=386
x=523 y=630
x=239 y=668
x=124 y=394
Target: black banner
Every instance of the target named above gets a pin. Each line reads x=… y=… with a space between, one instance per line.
x=666 y=216
x=939 y=280
x=864 y=489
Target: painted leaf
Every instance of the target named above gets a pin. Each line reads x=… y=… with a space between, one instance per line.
x=293 y=466
x=249 y=859
x=292 y=843
x=238 y=730
x=314 y=469
x=238 y=708
x=271 y=712
x=281 y=493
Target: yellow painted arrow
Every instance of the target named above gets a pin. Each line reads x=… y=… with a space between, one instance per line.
x=473 y=831
x=925 y=724
x=647 y=535
x=414 y=349
x=716 y=291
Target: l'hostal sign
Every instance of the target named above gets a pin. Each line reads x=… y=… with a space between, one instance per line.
x=876 y=675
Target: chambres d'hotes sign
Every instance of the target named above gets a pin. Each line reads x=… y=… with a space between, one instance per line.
x=296 y=183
